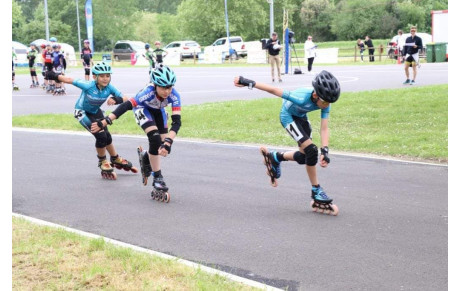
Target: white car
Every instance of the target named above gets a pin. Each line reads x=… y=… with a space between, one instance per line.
x=236 y=42
x=186 y=48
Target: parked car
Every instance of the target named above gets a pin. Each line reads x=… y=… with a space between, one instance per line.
x=124 y=48
x=237 y=44
x=186 y=48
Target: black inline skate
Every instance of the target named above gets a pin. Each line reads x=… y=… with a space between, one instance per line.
x=160 y=190
x=321 y=202
x=144 y=162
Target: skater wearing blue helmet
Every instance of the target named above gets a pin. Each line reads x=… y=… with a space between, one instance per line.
x=325 y=90
x=149 y=110
x=87 y=110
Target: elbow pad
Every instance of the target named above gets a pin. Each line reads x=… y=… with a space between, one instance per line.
x=176 y=122
x=122 y=108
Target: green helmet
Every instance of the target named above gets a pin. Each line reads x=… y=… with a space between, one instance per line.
x=163 y=77
x=102 y=68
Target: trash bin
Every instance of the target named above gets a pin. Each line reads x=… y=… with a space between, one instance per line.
x=430 y=57
x=107 y=58
x=440 y=50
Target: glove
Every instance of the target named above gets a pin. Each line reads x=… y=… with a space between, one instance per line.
x=246 y=82
x=118 y=100
x=52 y=76
x=325 y=153
x=167 y=147
x=107 y=119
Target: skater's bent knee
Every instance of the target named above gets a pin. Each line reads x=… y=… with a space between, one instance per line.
x=311 y=155
x=102 y=139
x=299 y=158
x=154 y=142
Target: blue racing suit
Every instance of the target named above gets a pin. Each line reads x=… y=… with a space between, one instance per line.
x=90 y=101
x=150 y=110
x=293 y=114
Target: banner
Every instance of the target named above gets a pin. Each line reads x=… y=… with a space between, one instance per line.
x=89 y=22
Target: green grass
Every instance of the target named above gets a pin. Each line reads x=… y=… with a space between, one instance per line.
x=408 y=123
x=46 y=258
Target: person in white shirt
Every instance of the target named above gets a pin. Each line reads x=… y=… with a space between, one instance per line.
x=400 y=43
x=310 y=52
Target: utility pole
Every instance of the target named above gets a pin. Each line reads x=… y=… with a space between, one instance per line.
x=272 y=25
x=78 y=25
x=46 y=21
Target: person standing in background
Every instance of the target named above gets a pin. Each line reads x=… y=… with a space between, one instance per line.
x=370 y=47
x=310 y=51
x=274 y=47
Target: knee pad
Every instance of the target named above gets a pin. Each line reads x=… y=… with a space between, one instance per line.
x=108 y=137
x=154 y=142
x=87 y=72
x=101 y=139
x=34 y=73
x=311 y=155
x=299 y=158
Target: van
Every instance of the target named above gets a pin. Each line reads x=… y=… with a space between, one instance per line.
x=124 y=48
x=236 y=42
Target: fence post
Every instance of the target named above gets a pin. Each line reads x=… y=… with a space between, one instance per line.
x=381 y=52
x=356 y=49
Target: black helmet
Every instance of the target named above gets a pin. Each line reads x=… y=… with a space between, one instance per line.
x=326 y=86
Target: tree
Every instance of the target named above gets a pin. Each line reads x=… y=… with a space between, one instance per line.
x=18 y=21
x=316 y=16
x=204 y=20
x=146 y=26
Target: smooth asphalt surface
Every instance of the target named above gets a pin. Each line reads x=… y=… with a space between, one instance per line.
x=391 y=232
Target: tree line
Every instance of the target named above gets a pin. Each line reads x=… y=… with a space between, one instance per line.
x=204 y=20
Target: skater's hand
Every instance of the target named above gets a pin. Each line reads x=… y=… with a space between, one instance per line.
x=236 y=82
x=111 y=101
x=324 y=159
x=165 y=148
x=97 y=126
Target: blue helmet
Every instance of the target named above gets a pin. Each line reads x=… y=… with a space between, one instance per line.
x=53 y=39
x=101 y=68
x=147 y=46
x=163 y=77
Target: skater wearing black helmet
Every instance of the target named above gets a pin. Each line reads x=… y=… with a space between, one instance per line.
x=293 y=117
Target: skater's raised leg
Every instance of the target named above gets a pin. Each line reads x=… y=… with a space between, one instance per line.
x=121 y=163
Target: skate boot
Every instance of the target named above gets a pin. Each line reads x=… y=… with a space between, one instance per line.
x=106 y=170
x=144 y=161
x=32 y=86
x=15 y=87
x=160 y=189
x=121 y=163
x=321 y=202
x=272 y=164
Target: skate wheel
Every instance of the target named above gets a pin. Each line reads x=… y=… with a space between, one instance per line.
x=145 y=180
x=126 y=169
x=134 y=170
x=166 y=197
x=335 y=210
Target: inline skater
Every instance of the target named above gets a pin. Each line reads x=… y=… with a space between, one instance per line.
x=58 y=67
x=149 y=110
x=87 y=110
x=86 y=58
x=293 y=117
x=31 y=55
x=48 y=67
x=14 y=57
x=159 y=54
x=149 y=55
x=42 y=53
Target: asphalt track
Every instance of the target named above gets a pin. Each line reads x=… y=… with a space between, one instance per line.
x=391 y=233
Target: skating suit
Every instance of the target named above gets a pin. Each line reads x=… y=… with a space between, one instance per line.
x=91 y=97
x=298 y=103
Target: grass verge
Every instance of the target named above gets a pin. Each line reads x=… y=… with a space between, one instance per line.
x=406 y=123
x=46 y=258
